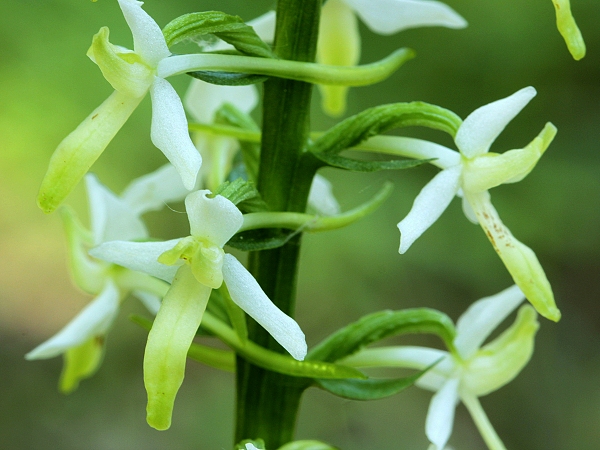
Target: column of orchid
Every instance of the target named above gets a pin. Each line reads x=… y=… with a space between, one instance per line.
x=256 y=188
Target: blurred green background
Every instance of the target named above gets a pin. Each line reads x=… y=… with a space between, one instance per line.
x=47 y=86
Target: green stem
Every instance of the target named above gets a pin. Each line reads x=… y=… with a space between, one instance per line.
x=268 y=402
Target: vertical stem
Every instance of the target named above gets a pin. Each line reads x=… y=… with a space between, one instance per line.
x=267 y=402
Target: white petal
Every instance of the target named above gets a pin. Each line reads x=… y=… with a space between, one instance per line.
x=247 y=293
x=169 y=132
x=112 y=219
x=400 y=356
x=429 y=205
x=264 y=26
x=440 y=417
x=468 y=210
x=214 y=219
x=482 y=317
x=148 y=39
x=321 y=197
x=482 y=126
x=94 y=320
x=151 y=192
x=202 y=100
x=140 y=256
x=391 y=16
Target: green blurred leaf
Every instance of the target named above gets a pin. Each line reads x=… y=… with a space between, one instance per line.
x=228 y=78
x=357 y=165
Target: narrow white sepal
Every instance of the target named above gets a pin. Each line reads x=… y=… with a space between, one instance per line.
x=202 y=100
x=249 y=296
x=429 y=205
x=481 y=128
x=482 y=317
x=169 y=132
x=140 y=256
x=214 y=219
x=152 y=191
x=321 y=198
x=94 y=320
x=392 y=16
x=148 y=39
x=440 y=416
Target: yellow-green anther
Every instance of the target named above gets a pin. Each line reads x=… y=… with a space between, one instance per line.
x=122 y=68
x=79 y=363
x=168 y=343
x=492 y=169
x=568 y=28
x=184 y=249
x=207 y=265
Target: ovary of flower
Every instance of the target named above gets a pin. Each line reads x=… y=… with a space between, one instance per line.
x=82 y=339
x=471 y=370
x=195 y=265
x=469 y=174
x=339 y=39
x=132 y=73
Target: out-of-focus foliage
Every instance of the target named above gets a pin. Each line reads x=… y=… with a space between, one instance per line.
x=47 y=86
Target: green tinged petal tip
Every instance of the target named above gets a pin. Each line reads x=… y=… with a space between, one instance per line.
x=568 y=29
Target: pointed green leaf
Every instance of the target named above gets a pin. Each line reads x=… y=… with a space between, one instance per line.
x=380 y=325
x=228 y=78
x=357 y=165
x=256 y=240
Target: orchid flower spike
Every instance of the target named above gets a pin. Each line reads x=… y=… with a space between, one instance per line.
x=132 y=73
x=81 y=341
x=195 y=265
x=339 y=38
x=203 y=100
x=470 y=370
x=469 y=174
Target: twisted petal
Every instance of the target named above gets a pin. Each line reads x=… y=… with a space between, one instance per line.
x=168 y=343
x=140 y=256
x=79 y=150
x=321 y=197
x=482 y=317
x=151 y=192
x=431 y=202
x=519 y=259
x=111 y=218
x=94 y=320
x=500 y=361
x=214 y=219
x=148 y=40
x=391 y=16
x=339 y=45
x=246 y=292
x=482 y=126
x=202 y=100
x=169 y=132
x=492 y=169
x=440 y=417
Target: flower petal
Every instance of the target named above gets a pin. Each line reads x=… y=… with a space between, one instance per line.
x=169 y=132
x=440 y=417
x=519 y=259
x=94 y=320
x=247 y=294
x=202 y=100
x=321 y=198
x=391 y=16
x=79 y=150
x=568 y=28
x=151 y=192
x=500 y=361
x=482 y=317
x=214 y=219
x=140 y=256
x=80 y=362
x=168 y=343
x=339 y=45
x=111 y=218
x=492 y=169
x=429 y=205
x=148 y=39
x=482 y=126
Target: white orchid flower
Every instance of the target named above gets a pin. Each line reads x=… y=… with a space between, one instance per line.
x=82 y=340
x=195 y=265
x=470 y=370
x=469 y=173
x=132 y=73
x=339 y=39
